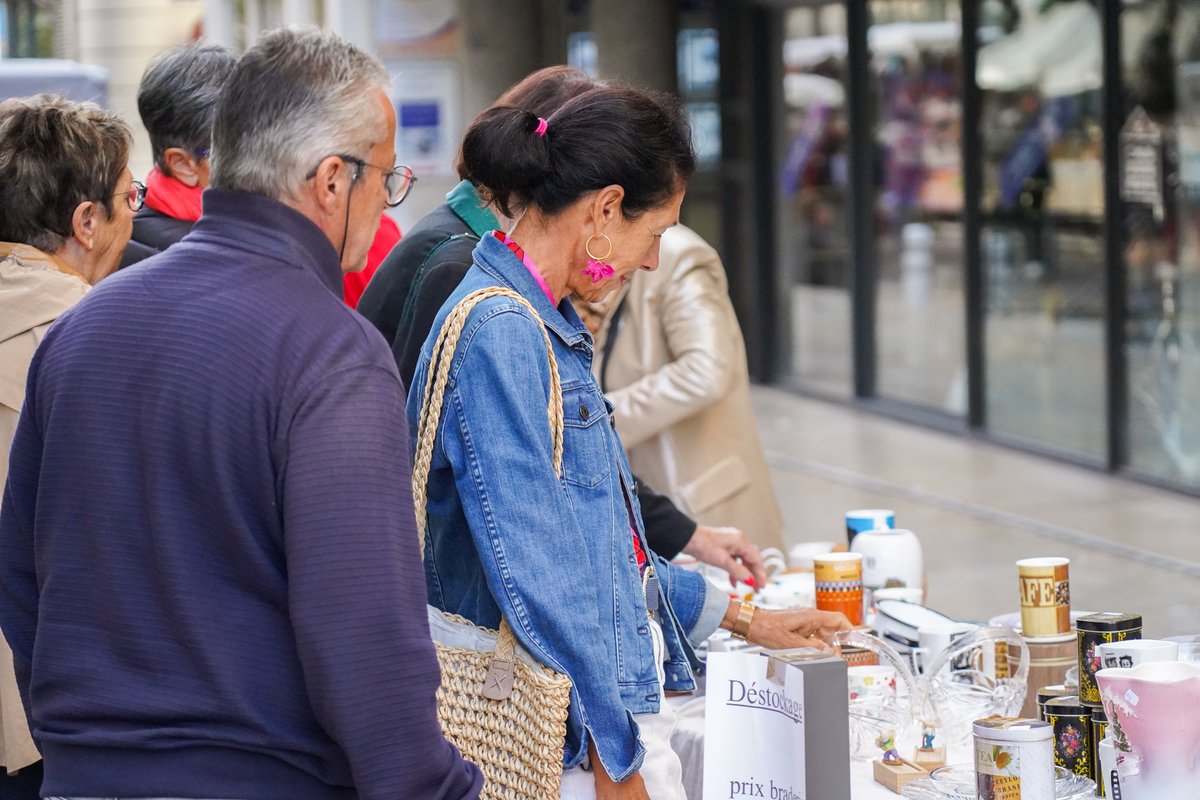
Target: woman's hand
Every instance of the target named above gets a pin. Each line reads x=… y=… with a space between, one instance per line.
x=780 y=629
x=632 y=788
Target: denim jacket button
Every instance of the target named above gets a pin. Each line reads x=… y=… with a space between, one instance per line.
x=642 y=629
x=584 y=413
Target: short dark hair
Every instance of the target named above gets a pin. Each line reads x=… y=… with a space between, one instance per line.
x=541 y=93
x=607 y=135
x=54 y=155
x=178 y=97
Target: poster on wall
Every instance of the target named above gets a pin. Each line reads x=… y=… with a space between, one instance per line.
x=427 y=97
x=754 y=743
x=1141 y=162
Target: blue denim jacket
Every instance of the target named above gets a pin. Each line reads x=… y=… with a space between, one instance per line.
x=555 y=556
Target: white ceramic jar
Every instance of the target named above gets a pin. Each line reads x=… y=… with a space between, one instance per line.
x=891 y=557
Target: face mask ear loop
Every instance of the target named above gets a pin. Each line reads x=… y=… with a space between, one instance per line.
x=515 y=222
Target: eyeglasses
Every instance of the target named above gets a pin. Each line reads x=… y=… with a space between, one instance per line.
x=135 y=197
x=397 y=180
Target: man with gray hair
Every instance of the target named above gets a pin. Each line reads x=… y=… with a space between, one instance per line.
x=207 y=526
x=176 y=101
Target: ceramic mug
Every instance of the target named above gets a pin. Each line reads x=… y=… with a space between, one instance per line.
x=790 y=590
x=1189 y=647
x=774 y=561
x=868 y=519
x=839 y=584
x=1153 y=722
x=1132 y=652
x=800 y=556
x=1107 y=781
x=934 y=639
x=871 y=682
x=1045 y=596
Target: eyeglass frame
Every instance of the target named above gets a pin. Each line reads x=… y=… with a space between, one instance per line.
x=135 y=197
x=389 y=173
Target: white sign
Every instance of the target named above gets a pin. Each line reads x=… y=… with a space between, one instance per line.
x=753 y=729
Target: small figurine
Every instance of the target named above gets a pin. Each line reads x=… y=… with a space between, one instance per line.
x=927 y=734
x=929 y=755
x=893 y=771
x=887 y=743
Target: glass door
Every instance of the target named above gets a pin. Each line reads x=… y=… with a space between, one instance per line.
x=1039 y=71
x=916 y=89
x=813 y=224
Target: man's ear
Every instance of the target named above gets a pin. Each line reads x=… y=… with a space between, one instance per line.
x=85 y=221
x=182 y=166
x=331 y=179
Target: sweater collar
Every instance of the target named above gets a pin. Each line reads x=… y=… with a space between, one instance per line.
x=464 y=201
x=494 y=258
x=268 y=228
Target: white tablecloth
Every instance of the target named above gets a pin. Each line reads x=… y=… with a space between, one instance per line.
x=688 y=741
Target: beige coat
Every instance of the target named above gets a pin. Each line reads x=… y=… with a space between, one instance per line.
x=35 y=288
x=678 y=378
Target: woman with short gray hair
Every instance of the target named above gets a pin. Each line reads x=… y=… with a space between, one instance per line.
x=67 y=200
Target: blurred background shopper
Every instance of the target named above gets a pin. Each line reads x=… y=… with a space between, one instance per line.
x=66 y=203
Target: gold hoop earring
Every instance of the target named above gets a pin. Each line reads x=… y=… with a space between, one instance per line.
x=587 y=247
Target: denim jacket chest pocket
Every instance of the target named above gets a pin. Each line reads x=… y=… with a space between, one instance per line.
x=586 y=461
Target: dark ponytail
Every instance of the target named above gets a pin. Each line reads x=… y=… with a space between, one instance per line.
x=504 y=157
x=609 y=135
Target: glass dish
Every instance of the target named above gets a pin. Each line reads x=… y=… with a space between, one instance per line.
x=957 y=782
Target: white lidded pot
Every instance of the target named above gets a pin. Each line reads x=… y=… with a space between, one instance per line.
x=891 y=557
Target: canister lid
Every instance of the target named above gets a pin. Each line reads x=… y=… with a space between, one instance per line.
x=1013 y=729
x=1068 y=706
x=1099 y=715
x=1048 y=692
x=1109 y=621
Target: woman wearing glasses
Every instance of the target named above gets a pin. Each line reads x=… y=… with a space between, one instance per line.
x=560 y=553
x=67 y=201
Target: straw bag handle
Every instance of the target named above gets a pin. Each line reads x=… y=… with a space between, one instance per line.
x=500 y=676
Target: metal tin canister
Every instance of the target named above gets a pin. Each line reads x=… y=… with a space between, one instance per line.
x=1071 y=720
x=1014 y=758
x=1099 y=728
x=1098 y=629
x=1048 y=693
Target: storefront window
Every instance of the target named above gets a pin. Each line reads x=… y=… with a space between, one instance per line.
x=919 y=250
x=813 y=243
x=1160 y=212
x=1039 y=70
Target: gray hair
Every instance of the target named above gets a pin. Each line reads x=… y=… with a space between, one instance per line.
x=296 y=97
x=54 y=155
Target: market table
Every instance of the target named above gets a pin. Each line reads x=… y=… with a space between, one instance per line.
x=688 y=741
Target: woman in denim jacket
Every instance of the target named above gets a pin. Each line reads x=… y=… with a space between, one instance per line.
x=564 y=560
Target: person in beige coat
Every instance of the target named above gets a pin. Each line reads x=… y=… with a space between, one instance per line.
x=67 y=200
x=673 y=363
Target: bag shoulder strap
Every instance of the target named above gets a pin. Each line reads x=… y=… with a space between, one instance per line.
x=499 y=681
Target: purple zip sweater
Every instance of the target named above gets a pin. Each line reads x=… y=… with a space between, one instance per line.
x=209 y=574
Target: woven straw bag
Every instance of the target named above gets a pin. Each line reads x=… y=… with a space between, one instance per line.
x=502 y=709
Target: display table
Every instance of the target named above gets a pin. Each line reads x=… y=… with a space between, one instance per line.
x=688 y=741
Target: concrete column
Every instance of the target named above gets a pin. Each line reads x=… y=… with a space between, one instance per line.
x=220 y=22
x=123 y=36
x=635 y=42
x=351 y=19
x=499 y=49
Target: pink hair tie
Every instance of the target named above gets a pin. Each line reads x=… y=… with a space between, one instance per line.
x=541 y=128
